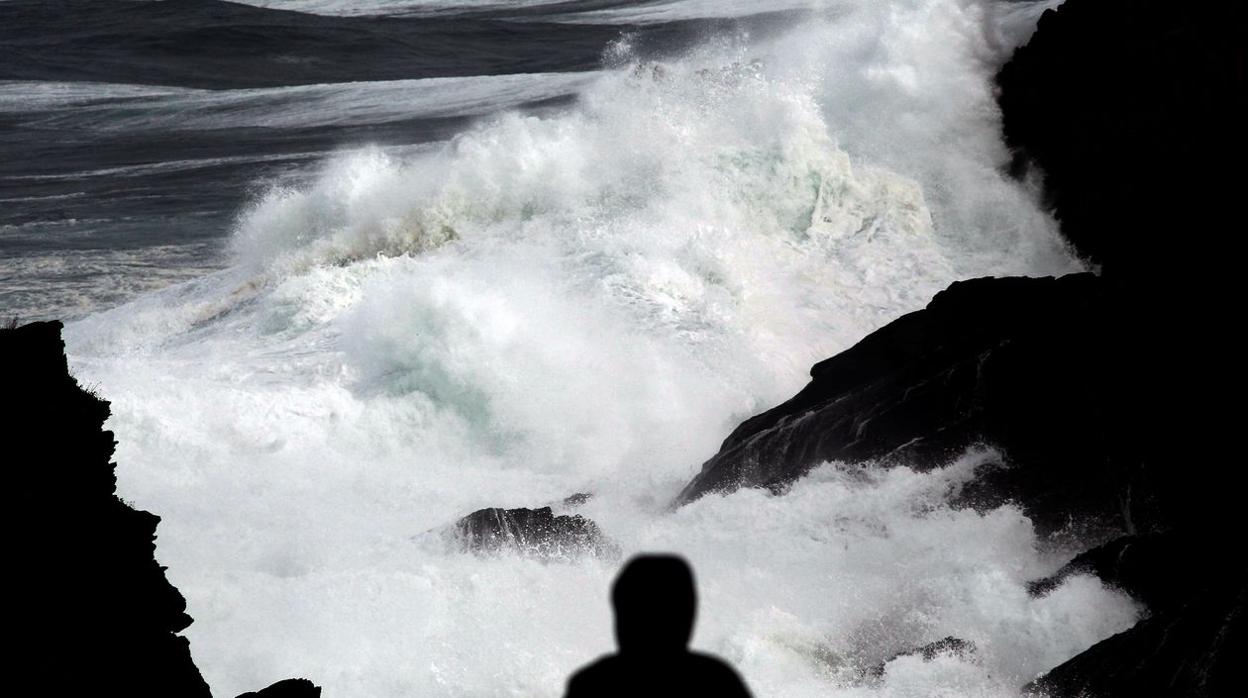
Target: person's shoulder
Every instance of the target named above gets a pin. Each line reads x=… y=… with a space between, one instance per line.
x=605 y=663
x=720 y=673
x=711 y=661
x=588 y=679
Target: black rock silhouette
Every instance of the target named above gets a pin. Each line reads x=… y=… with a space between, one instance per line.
x=95 y=614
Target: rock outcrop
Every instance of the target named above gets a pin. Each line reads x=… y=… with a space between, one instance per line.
x=1133 y=110
x=1189 y=645
x=93 y=613
x=1195 y=651
x=953 y=646
x=1161 y=570
x=534 y=532
x=1018 y=363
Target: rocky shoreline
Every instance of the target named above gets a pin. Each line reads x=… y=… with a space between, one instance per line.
x=1104 y=394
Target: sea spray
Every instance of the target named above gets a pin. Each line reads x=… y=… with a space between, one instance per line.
x=591 y=300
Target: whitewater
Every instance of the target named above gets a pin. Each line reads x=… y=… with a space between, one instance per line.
x=588 y=300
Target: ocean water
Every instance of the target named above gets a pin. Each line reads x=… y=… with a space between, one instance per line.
x=333 y=317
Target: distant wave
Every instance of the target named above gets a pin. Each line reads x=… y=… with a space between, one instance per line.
x=214 y=44
x=129 y=108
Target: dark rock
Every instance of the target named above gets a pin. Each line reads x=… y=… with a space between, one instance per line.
x=537 y=532
x=1194 y=651
x=1018 y=363
x=94 y=613
x=1133 y=110
x=947 y=645
x=1161 y=570
x=576 y=500
x=289 y=688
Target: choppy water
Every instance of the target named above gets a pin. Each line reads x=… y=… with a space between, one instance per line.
x=399 y=300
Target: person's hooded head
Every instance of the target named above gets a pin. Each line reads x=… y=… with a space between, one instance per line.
x=655 y=605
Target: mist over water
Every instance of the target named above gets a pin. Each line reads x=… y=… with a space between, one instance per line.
x=590 y=300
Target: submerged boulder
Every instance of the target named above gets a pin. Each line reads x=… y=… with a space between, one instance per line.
x=952 y=646
x=535 y=532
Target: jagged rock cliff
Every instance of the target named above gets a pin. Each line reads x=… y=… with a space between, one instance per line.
x=93 y=613
x=1133 y=111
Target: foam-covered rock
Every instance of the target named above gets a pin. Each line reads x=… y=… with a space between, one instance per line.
x=535 y=532
x=1161 y=570
x=952 y=646
x=1193 y=651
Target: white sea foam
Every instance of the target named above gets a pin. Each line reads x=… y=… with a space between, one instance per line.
x=591 y=301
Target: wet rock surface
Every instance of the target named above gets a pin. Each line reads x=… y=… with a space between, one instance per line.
x=1016 y=363
x=1131 y=110
x=534 y=532
x=1161 y=570
x=1194 y=650
x=952 y=646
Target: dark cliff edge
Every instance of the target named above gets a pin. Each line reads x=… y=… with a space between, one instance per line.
x=93 y=612
x=1036 y=369
x=1017 y=363
x=1107 y=395
x=1132 y=112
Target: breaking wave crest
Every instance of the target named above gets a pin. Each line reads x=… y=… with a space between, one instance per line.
x=589 y=300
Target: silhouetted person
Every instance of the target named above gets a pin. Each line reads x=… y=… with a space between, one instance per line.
x=655 y=604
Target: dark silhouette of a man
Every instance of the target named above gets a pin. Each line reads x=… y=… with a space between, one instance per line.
x=655 y=605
